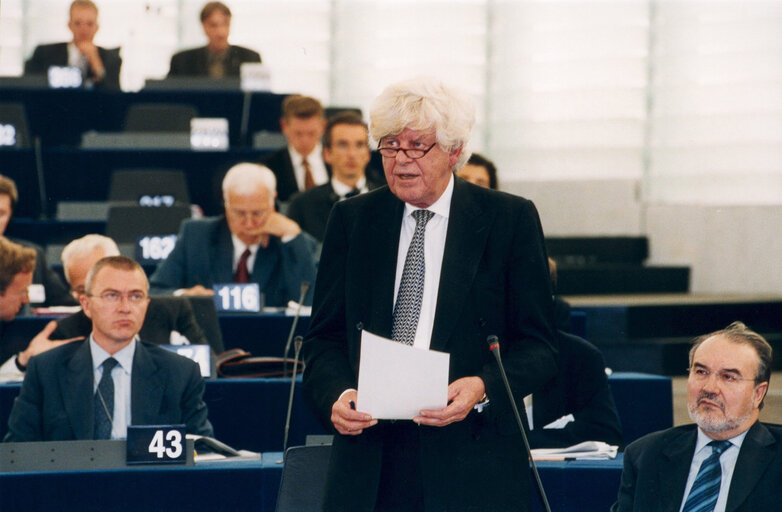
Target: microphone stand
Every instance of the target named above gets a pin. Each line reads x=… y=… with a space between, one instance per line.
x=297 y=348
x=494 y=347
x=305 y=287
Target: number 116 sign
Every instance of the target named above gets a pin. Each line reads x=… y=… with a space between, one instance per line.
x=238 y=297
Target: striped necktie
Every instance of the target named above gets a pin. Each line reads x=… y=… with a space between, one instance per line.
x=706 y=489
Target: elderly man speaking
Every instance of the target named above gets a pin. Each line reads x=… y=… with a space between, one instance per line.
x=434 y=262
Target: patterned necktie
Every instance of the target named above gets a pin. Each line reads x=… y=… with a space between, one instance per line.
x=411 y=288
x=706 y=489
x=309 y=181
x=104 y=409
x=242 y=274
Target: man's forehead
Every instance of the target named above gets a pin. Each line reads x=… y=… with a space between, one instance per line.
x=720 y=352
x=109 y=277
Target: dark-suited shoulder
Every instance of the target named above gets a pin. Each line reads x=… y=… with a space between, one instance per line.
x=194 y=61
x=281 y=165
x=56 y=54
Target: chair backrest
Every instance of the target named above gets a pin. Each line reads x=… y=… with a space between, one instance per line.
x=159 y=117
x=127 y=222
x=133 y=185
x=15 y=116
x=206 y=315
x=303 y=479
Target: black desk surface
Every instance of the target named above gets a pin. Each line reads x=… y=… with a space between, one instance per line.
x=583 y=486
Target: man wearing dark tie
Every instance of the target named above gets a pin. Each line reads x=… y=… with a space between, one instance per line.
x=299 y=165
x=346 y=150
x=437 y=263
x=250 y=243
x=95 y=388
x=100 y=67
x=728 y=461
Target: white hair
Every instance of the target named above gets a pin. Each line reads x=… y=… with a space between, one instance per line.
x=247 y=176
x=422 y=104
x=83 y=247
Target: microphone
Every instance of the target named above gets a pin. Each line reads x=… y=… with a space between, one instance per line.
x=305 y=287
x=494 y=347
x=296 y=349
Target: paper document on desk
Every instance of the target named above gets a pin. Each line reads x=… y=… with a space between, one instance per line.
x=585 y=450
x=396 y=381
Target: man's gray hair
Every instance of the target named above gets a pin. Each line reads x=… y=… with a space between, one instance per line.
x=84 y=246
x=422 y=104
x=247 y=176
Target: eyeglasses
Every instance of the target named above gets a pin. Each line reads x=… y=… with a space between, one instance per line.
x=254 y=215
x=723 y=377
x=113 y=297
x=409 y=153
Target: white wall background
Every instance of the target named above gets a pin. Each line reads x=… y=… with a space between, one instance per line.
x=649 y=117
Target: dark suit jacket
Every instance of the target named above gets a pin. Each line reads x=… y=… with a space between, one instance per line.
x=195 y=62
x=657 y=465
x=55 y=403
x=494 y=281
x=311 y=208
x=164 y=314
x=56 y=54
x=57 y=294
x=203 y=255
x=281 y=165
x=580 y=388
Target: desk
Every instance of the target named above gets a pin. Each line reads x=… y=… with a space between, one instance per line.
x=60 y=116
x=583 y=486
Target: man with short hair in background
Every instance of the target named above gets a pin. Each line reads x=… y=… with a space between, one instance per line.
x=299 y=166
x=728 y=460
x=95 y=388
x=218 y=59
x=346 y=150
x=100 y=67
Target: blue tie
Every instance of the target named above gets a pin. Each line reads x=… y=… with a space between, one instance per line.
x=411 y=288
x=706 y=489
x=104 y=409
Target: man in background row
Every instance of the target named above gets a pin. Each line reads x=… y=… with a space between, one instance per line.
x=728 y=460
x=218 y=59
x=55 y=292
x=251 y=243
x=346 y=150
x=99 y=66
x=95 y=388
x=299 y=166
x=167 y=320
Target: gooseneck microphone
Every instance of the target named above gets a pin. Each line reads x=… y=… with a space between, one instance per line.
x=494 y=347
x=296 y=349
x=305 y=287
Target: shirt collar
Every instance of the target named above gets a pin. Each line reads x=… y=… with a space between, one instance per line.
x=240 y=246
x=124 y=357
x=341 y=189
x=443 y=204
x=296 y=158
x=703 y=440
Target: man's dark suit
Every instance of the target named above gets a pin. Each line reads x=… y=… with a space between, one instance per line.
x=580 y=388
x=57 y=294
x=164 y=314
x=657 y=465
x=56 y=54
x=203 y=255
x=494 y=281
x=195 y=62
x=281 y=165
x=311 y=208
x=55 y=403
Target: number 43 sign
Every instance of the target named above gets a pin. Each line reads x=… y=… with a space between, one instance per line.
x=156 y=444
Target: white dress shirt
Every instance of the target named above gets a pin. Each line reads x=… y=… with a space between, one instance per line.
x=317 y=167
x=121 y=376
x=727 y=463
x=434 y=247
x=341 y=189
x=239 y=248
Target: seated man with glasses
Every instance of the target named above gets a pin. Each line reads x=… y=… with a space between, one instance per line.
x=95 y=388
x=727 y=460
x=251 y=243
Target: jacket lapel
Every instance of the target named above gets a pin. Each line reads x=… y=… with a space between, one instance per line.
x=672 y=474
x=465 y=242
x=753 y=459
x=147 y=387
x=222 y=251
x=383 y=245
x=76 y=385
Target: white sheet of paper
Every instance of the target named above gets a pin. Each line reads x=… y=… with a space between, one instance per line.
x=396 y=381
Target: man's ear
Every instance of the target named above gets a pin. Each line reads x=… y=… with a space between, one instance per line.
x=85 y=304
x=454 y=155
x=760 y=392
